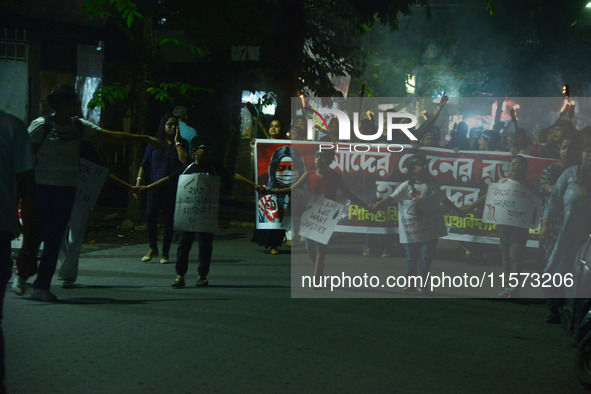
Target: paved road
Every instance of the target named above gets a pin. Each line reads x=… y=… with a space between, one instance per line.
x=124 y=330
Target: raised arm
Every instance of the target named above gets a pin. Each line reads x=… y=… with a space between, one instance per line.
x=118 y=137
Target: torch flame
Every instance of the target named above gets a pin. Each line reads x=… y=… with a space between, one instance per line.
x=564 y=105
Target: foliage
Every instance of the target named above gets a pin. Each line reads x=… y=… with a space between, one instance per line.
x=127 y=10
x=108 y=94
x=168 y=92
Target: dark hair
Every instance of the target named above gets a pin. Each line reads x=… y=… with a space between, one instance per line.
x=415 y=160
x=277 y=120
x=296 y=160
x=61 y=95
x=162 y=125
x=179 y=112
x=523 y=159
x=586 y=145
x=328 y=153
x=410 y=164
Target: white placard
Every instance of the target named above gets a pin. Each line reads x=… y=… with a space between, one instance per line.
x=197 y=203
x=319 y=218
x=420 y=220
x=90 y=183
x=511 y=204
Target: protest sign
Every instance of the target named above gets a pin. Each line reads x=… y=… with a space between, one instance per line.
x=197 y=203
x=91 y=179
x=511 y=204
x=319 y=217
x=278 y=166
x=420 y=220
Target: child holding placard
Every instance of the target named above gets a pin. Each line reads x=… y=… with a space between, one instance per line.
x=203 y=164
x=419 y=199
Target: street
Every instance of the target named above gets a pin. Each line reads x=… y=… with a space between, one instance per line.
x=123 y=329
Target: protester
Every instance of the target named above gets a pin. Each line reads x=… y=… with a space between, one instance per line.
x=459 y=140
x=513 y=238
x=271 y=238
x=16 y=168
x=56 y=143
x=324 y=182
x=521 y=144
x=155 y=166
x=203 y=164
x=556 y=134
x=419 y=187
x=568 y=210
x=69 y=255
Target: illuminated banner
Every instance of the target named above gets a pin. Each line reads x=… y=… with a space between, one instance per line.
x=511 y=204
x=372 y=172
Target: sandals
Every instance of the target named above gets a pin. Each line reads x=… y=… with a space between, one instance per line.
x=68 y=285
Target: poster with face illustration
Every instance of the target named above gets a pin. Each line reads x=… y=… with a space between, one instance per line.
x=278 y=166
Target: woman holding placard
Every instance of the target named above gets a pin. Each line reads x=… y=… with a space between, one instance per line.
x=420 y=218
x=513 y=238
x=323 y=182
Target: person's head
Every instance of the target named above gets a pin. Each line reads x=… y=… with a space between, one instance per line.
x=276 y=129
x=300 y=122
x=585 y=134
x=484 y=141
x=180 y=113
x=366 y=126
x=200 y=151
x=296 y=133
x=560 y=130
x=568 y=156
x=333 y=128
x=168 y=127
x=417 y=167
x=461 y=130
x=586 y=156
x=64 y=100
x=285 y=167
x=323 y=157
x=518 y=168
x=428 y=140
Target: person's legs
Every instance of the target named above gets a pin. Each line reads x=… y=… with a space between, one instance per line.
x=412 y=257
x=518 y=243
x=5 y=272
x=505 y=237
x=320 y=257
x=182 y=254
x=55 y=203
x=426 y=251
x=205 y=251
x=72 y=243
x=371 y=244
x=168 y=196
x=152 y=206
